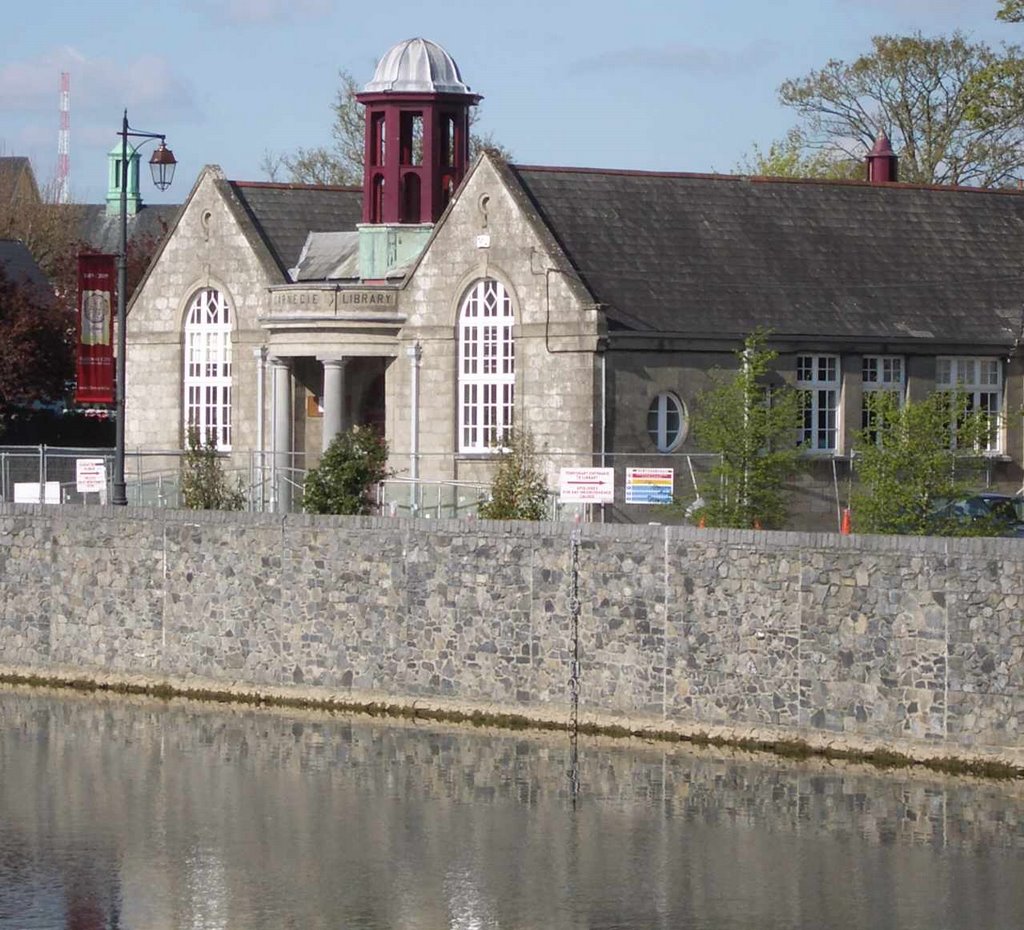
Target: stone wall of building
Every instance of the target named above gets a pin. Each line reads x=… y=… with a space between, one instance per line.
x=912 y=644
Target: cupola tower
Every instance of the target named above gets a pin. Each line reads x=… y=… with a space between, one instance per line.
x=417 y=134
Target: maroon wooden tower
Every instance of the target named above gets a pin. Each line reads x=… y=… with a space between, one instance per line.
x=417 y=134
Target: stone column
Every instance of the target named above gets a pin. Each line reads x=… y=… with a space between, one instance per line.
x=281 y=415
x=334 y=420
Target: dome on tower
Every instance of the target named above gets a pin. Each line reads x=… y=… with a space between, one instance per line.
x=417 y=66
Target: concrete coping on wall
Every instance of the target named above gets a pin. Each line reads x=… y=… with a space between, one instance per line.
x=668 y=535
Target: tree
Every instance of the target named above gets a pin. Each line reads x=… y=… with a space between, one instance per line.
x=911 y=458
x=354 y=463
x=518 y=490
x=36 y=345
x=1011 y=11
x=753 y=429
x=953 y=109
x=341 y=163
x=50 y=230
x=795 y=157
x=204 y=485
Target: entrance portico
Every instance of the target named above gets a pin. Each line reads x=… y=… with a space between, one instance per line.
x=329 y=347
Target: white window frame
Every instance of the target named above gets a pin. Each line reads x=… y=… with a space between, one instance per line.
x=881 y=373
x=819 y=378
x=487 y=368
x=207 y=371
x=980 y=378
x=666 y=439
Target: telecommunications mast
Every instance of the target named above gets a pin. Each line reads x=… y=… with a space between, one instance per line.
x=64 y=138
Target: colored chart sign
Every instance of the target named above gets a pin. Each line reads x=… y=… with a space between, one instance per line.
x=586 y=486
x=649 y=485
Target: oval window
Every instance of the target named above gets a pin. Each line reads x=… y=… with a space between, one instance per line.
x=667 y=422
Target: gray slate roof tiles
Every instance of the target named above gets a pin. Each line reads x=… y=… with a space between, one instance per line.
x=285 y=214
x=721 y=255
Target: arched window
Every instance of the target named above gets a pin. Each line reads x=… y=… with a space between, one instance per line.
x=208 y=368
x=487 y=367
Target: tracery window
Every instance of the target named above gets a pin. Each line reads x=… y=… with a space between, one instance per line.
x=208 y=368
x=487 y=367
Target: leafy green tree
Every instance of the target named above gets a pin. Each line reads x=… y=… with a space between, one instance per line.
x=204 y=484
x=953 y=109
x=795 y=157
x=1011 y=11
x=912 y=458
x=518 y=491
x=753 y=429
x=341 y=162
x=344 y=481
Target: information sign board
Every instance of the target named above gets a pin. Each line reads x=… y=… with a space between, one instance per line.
x=649 y=485
x=586 y=486
x=90 y=476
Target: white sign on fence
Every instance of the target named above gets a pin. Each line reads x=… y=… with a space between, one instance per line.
x=27 y=492
x=586 y=486
x=90 y=476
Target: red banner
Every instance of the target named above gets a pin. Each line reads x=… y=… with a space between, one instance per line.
x=96 y=288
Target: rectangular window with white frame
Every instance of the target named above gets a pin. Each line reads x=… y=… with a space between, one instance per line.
x=817 y=377
x=880 y=373
x=981 y=381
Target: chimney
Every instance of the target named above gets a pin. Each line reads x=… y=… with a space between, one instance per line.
x=882 y=161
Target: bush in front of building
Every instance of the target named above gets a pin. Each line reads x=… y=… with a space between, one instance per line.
x=352 y=466
x=518 y=491
x=204 y=484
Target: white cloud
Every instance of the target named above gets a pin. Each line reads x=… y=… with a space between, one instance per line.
x=99 y=85
x=690 y=59
x=246 y=12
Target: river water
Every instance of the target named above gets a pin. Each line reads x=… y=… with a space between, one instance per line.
x=143 y=815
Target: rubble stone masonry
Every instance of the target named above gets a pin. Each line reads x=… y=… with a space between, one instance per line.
x=909 y=644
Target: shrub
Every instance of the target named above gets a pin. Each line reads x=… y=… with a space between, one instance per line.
x=354 y=463
x=204 y=486
x=518 y=491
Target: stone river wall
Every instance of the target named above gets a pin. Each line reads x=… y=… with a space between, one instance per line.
x=914 y=645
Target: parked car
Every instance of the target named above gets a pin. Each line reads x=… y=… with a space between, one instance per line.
x=987 y=513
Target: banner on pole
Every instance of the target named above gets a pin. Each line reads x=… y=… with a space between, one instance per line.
x=95 y=357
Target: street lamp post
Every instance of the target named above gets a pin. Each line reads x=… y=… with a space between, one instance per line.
x=162 y=167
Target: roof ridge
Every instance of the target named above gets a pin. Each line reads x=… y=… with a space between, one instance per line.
x=764 y=179
x=290 y=185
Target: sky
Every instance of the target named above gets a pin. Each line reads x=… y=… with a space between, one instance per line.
x=663 y=85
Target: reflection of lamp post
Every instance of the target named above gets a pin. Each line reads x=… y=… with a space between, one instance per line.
x=162 y=166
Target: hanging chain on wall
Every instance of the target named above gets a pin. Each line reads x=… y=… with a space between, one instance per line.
x=574 y=668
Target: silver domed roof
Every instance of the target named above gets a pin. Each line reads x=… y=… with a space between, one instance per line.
x=417 y=66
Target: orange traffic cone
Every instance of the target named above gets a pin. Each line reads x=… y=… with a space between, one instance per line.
x=757 y=524
x=844 y=526
x=702 y=522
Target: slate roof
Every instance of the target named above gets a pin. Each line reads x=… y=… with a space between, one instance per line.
x=285 y=214
x=20 y=267
x=715 y=255
x=102 y=232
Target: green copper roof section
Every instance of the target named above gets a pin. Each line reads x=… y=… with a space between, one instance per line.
x=386 y=248
x=134 y=199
